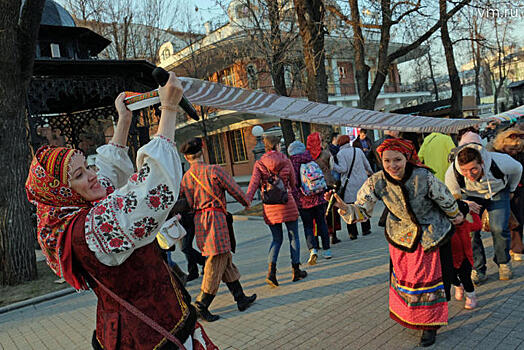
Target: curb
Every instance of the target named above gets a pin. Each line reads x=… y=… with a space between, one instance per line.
x=36 y=300
x=247 y=218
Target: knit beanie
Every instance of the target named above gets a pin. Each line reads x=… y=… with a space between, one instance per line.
x=296 y=147
x=470 y=137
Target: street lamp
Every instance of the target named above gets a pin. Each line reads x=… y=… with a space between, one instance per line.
x=259 y=148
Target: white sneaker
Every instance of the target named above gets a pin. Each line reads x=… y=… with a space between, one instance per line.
x=516 y=256
x=459 y=292
x=313 y=255
x=471 y=301
x=477 y=277
x=505 y=272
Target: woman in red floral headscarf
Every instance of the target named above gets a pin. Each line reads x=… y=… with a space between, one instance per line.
x=418 y=229
x=98 y=232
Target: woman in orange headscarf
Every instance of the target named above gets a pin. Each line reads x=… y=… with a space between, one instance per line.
x=418 y=229
x=98 y=230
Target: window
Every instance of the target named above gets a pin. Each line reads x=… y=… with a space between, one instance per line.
x=55 y=50
x=45 y=49
x=227 y=77
x=215 y=149
x=238 y=145
x=166 y=53
x=342 y=72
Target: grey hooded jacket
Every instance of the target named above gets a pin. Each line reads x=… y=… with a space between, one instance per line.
x=488 y=185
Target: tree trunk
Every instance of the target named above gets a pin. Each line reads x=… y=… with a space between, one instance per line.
x=361 y=68
x=310 y=15
x=495 y=99
x=454 y=79
x=432 y=75
x=277 y=67
x=17 y=229
x=475 y=52
x=368 y=96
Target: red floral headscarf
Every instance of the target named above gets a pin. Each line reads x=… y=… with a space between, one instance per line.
x=57 y=207
x=314 y=145
x=403 y=146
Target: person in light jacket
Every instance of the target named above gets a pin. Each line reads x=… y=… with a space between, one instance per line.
x=277 y=214
x=359 y=173
x=486 y=181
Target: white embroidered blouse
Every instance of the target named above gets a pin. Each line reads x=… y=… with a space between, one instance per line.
x=130 y=216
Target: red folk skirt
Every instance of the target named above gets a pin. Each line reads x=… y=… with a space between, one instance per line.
x=417 y=297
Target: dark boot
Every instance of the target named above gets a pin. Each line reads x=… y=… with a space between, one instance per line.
x=334 y=238
x=428 y=337
x=180 y=274
x=202 y=304
x=192 y=270
x=271 y=278
x=242 y=300
x=298 y=274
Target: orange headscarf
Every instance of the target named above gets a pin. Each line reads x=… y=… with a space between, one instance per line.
x=403 y=146
x=57 y=207
x=314 y=145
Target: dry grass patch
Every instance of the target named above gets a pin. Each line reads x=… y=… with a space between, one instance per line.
x=42 y=285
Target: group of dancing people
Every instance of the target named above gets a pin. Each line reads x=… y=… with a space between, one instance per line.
x=98 y=230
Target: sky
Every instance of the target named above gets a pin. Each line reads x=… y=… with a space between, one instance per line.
x=208 y=10
x=201 y=11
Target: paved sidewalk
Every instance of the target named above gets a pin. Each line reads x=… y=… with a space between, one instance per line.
x=342 y=304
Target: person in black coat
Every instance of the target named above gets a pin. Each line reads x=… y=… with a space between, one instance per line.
x=365 y=144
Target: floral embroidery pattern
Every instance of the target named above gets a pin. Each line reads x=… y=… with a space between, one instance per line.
x=119 y=202
x=144 y=226
x=160 y=198
x=129 y=202
x=105 y=225
x=105 y=182
x=143 y=173
x=66 y=192
x=39 y=172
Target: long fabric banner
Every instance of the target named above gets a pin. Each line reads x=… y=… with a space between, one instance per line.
x=219 y=96
x=511 y=115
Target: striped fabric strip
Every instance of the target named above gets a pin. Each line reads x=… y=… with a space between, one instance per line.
x=410 y=290
x=219 y=96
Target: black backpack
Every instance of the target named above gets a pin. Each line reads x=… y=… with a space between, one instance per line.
x=273 y=190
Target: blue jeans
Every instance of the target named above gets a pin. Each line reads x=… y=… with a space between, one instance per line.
x=318 y=214
x=498 y=210
x=276 y=243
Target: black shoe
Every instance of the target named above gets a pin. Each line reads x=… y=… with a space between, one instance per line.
x=192 y=276
x=428 y=337
x=271 y=278
x=245 y=302
x=298 y=274
x=203 y=313
x=352 y=237
x=202 y=307
x=366 y=233
x=335 y=240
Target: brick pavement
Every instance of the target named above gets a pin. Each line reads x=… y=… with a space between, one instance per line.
x=342 y=304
